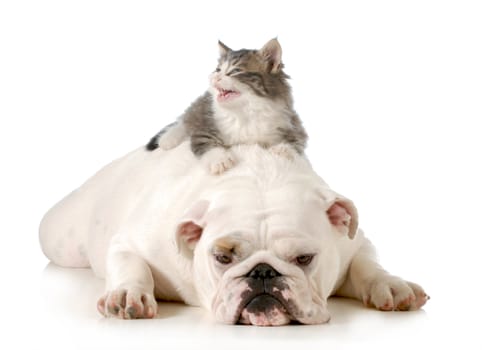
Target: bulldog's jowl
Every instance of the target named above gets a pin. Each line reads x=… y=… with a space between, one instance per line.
x=265 y=293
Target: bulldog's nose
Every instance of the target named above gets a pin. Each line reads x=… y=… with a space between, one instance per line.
x=263 y=271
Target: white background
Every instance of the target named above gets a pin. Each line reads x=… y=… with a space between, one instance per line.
x=389 y=91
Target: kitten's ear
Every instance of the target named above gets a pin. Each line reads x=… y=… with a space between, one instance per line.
x=223 y=49
x=271 y=52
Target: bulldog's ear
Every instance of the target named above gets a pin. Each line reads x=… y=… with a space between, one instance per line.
x=343 y=215
x=190 y=229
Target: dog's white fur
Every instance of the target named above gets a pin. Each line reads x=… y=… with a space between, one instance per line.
x=137 y=223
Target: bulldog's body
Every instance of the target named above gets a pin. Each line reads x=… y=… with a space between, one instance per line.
x=265 y=243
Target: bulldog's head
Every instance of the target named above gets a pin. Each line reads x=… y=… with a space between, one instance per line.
x=267 y=259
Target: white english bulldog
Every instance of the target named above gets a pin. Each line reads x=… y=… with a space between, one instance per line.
x=264 y=244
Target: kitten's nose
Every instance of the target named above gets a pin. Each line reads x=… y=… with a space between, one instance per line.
x=263 y=271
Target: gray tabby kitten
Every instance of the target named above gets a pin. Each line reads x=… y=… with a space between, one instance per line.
x=249 y=101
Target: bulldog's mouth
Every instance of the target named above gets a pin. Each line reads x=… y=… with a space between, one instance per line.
x=264 y=310
x=226 y=94
x=265 y=297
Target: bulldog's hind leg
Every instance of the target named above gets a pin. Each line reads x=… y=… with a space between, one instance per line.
x=370 y=283
x=129 y=287
x=63 y=232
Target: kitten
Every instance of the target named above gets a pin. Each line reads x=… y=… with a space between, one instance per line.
x=249 y=101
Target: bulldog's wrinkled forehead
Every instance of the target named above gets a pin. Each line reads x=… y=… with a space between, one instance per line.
x=271 y=198
x=266 y=217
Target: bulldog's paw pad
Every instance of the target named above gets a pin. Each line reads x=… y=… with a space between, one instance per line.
x=283 y=150
x=420 y=296
x=126 y=304
x=394 y=294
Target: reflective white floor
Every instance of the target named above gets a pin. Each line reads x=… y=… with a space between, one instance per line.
x=389 y=92
x=63 y=316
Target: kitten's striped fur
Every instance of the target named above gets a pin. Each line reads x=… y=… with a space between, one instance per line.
x=261 y=110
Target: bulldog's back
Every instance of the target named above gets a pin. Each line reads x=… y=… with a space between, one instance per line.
x=146 y=193
x=76 y=231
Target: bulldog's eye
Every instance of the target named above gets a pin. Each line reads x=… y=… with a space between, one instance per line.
x=304 y=260
x=224 y=259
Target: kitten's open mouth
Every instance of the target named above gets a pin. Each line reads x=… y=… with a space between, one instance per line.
x=225 y=94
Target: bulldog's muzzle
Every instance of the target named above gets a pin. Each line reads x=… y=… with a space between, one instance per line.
x=265 y=302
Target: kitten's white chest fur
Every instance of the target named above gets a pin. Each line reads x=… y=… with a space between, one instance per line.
x=255 y=121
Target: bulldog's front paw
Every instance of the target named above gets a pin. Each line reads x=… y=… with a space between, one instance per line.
x=218 y=161
x=127 y=304
x=283 y=150
x=389 y=293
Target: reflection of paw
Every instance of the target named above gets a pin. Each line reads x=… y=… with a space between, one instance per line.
x=218 y=160
x=127 y=304
x=283 y=150
x=390 y=293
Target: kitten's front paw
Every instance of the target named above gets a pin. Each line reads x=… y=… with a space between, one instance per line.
x=390 y=293
x=284 y=150
x=218 y=161
x=127 y=304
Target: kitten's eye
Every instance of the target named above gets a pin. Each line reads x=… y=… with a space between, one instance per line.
x=224 y=259
x=304 y=260
x=235 y=70
x=217 y=70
